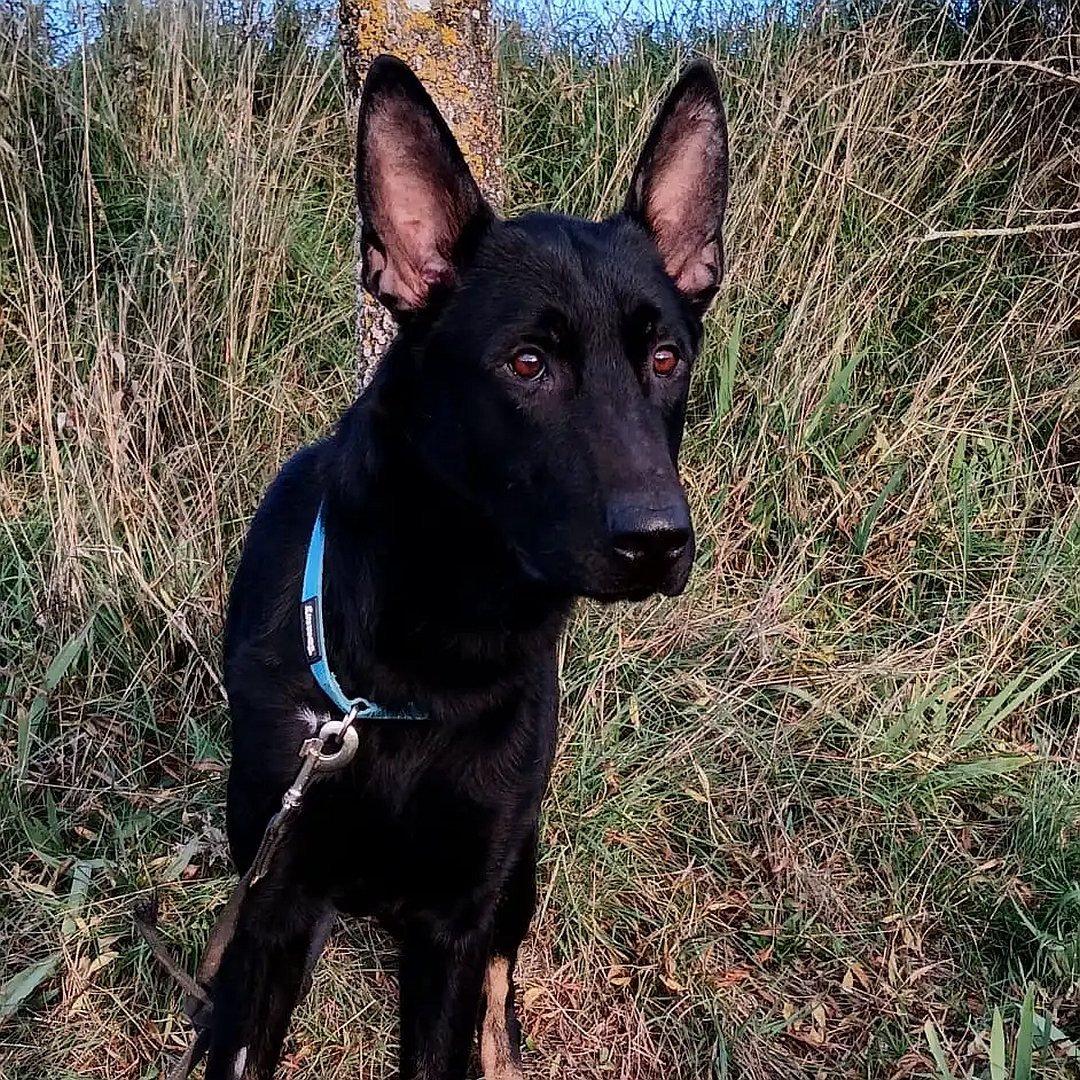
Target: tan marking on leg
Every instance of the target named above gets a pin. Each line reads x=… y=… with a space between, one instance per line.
x=495 y=1057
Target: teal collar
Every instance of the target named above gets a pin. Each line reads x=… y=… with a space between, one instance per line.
x=311 y=629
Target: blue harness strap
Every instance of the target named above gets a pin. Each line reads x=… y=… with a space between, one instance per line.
x=314 y=637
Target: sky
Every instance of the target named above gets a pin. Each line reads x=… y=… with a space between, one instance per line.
x=71 y=21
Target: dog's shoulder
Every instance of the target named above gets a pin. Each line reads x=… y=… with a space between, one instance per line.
x=267 y=580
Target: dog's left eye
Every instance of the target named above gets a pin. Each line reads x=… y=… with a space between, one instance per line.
x=664 y=360
x=527 y=364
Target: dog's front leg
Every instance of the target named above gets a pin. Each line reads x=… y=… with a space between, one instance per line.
x=263 y=972
x=498 y=1030
x=441 y=975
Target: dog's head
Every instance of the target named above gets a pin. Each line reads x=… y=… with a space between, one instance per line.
x=548 y=358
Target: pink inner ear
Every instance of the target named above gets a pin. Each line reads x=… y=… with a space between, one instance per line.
x=699 y=273
x=414 y=231
x=680 y=205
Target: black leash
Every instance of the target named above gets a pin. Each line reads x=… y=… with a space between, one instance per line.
x=198 y=1006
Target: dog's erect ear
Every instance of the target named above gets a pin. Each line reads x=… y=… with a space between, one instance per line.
x=419 y=205
x=679 y=188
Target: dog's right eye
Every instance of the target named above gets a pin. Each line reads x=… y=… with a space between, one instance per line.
x=527 y=364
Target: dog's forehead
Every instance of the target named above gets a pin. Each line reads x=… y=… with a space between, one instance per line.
x=609 y=260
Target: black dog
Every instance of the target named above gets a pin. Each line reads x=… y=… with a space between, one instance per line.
x=516 y=449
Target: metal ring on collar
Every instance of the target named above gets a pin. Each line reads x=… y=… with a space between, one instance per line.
x=341 y=757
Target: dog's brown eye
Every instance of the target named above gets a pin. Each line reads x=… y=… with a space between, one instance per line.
x=527 y=365
x=664 y=360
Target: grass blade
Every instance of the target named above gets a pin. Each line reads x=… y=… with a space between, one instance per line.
x=68 y=654
x=725 y=391
x=1007 y=701
x=997 y=1048
x=862 y=533
x=936 y=1051
x=29 y=721
x=1025 y=1036
x=19 y=987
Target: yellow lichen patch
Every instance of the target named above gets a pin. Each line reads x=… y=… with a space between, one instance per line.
x=419 y=22
x=371 y=28
x=429 y=46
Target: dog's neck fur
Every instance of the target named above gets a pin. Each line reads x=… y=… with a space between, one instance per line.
x=425 y=596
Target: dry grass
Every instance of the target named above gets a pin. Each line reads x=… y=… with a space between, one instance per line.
x=829 y=794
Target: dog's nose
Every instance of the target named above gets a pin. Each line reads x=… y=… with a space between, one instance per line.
x=647 y=536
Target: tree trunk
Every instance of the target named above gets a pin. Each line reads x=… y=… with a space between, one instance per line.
x=450 y=45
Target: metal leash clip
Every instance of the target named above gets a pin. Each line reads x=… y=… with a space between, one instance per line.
x=345 y=733
x=315 y=761
x=311 y=750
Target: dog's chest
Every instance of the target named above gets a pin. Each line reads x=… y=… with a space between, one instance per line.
x=421 y=827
